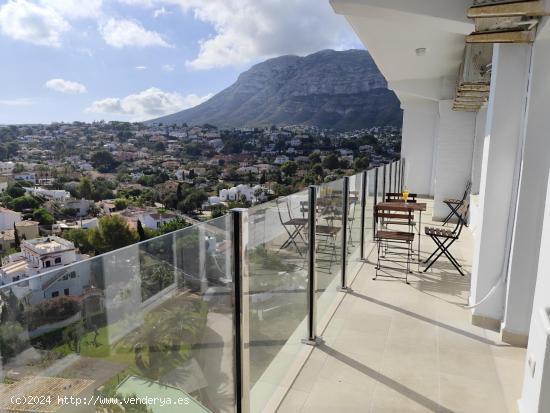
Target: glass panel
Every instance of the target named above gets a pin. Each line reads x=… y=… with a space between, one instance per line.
x=154 y=319
x=328 y=245
x=277 y=253
x=369 y=209
x=380 y=184
x=354 y=224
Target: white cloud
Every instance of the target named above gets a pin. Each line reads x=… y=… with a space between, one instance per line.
x=65 y=86
x=168 y=68
x=17 y=102
x=22 y=20
x=75 y=9
x=122 y=33
x=147 y=104
x=250 y=30
x=160 y=12
x=141 y=67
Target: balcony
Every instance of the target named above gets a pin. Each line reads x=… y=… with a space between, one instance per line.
x=392 y=347
x=251 y=312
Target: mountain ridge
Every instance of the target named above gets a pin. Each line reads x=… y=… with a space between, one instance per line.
x=329 y=89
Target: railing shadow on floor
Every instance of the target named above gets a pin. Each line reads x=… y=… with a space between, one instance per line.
x=385 y=380
x=425 y=319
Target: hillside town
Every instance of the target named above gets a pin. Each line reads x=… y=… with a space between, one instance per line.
x=76 y=184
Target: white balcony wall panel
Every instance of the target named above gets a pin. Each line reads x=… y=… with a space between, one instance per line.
x=420 y=118
x=453 y=158
x=531 y=200
x=536 y=397
x=498 y=184
x=481 y=118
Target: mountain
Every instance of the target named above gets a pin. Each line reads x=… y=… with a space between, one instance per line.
x=330 y=89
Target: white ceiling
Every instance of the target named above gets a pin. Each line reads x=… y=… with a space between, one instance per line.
x=392 y=30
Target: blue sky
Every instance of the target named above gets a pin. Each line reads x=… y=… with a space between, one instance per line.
x=66 y=60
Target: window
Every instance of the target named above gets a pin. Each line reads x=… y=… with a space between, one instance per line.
x=66 y=291
x=58 y=260
x=73 y=275
x=47 y=264
x=55 y=294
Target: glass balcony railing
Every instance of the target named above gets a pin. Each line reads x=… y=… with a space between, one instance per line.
x=212 y=317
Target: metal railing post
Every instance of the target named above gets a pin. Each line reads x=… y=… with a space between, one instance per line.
x=375 y=202
x=312 y=338
x=345 y=224
x=364 y=189
x=395 y=174
x=390 y=188
x=403 y=165
x=384 y=183
x=399 y=176
x=242 y=310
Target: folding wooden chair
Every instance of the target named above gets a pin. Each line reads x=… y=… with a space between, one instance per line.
x=455 y=204
x=293 y=227
x=444 y=238
x=392 y=243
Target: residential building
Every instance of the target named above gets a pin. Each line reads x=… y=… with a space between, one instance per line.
x=8 y=218
x=27 y=229
x=42 y=255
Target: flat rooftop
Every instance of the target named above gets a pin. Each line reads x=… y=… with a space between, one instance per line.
x=47 y=245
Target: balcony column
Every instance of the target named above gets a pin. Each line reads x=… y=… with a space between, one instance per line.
x=453 y=158
x=419 y=126
x=531 y=201
x=535 y=396
x=498 y=183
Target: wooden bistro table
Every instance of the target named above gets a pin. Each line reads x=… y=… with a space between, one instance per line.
x=407 y=207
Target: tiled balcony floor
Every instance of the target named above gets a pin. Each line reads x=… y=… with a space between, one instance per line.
x=392 y=347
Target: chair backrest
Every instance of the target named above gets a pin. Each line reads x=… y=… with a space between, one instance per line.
x=381 y=212
x=467 y=190
x=398 y=197
x=463 y=212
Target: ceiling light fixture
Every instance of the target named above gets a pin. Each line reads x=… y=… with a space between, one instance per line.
x=421 y=51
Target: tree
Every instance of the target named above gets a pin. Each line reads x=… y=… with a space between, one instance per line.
x=361 y=164
x=85 y=188
x=16 y=190
x=314 y=158
x=141 y=231
x=112 y=233
x=120 y=204
x=23 y=203
x=43 y=216
x=289 y=168
x=16 y=240
x=331 y=162
x=192 y=202
x=104 y=161
x=172 y=226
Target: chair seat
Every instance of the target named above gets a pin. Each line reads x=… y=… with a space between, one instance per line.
x=395 y=236
x=296 y=222
x=326 y=230
x=453 y=201
x=440 y=232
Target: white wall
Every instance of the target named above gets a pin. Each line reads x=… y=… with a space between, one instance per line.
x=420 y=119
x=532 y=197
x=499 y=172
x=536 y=380
x=453 y=162
x=481 y=118
x=533 y=399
